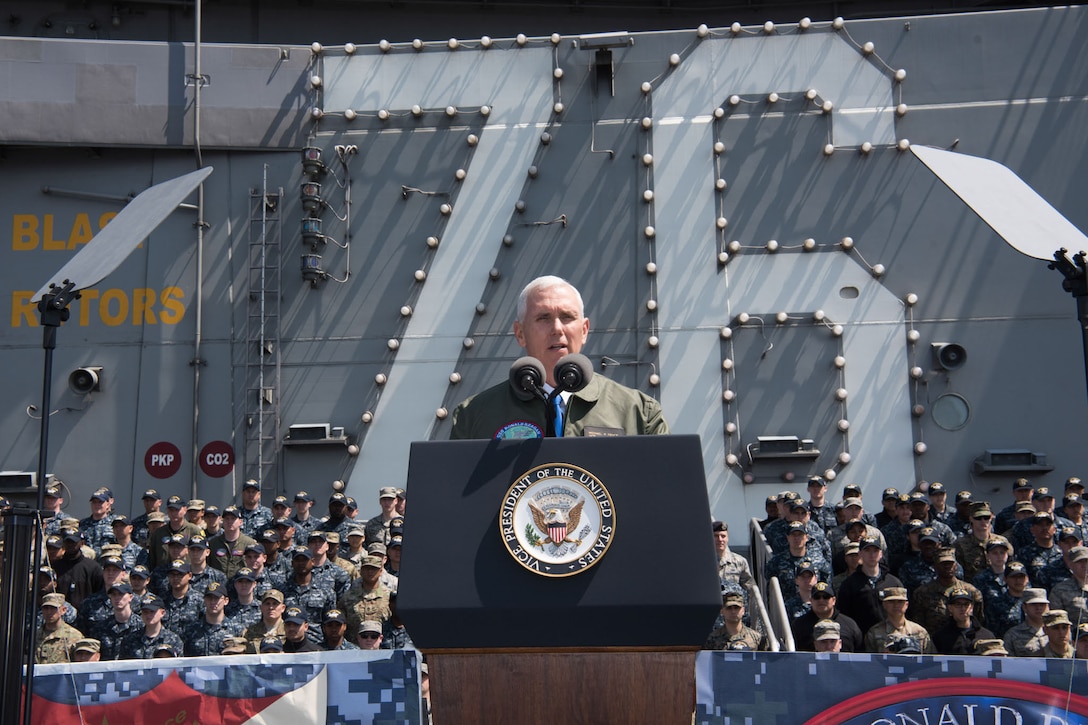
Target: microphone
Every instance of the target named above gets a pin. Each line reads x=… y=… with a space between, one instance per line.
x=573 y=372
x=527 y=378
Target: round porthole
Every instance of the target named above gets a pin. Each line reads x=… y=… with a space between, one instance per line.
x=951 y=411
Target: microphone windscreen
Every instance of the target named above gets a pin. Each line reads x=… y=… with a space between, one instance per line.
x=573 y=372
x=527 y=377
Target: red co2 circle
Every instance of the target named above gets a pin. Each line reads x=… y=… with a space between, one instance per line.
x=217 y=459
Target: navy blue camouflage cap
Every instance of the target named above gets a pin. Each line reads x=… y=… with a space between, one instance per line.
x=152 y=494
x=1015 y=568
x=120 y=519
x=890 y=494
x=334 y=615
x=964 y=497
x=54 y=541
x=806 y=566
x=294 y=615
x=395 y=541
x=245 y=574
x=164 y=649
x=198 y=542
x=102 y=494
x=281 y=501
x=1074 y=484
x=959 y=593
x=304 y=496
x=71 y=534
x=251 y=483
x=270 y=535
x=302 y=551
x=796 y=526
x=151 y=601
x=271 y=644
x=1072 y=498
x=255 y=548
x=851 y=490
x=1020 y=484
x=175 y=502
x=216 y=589
x=1041 y=493
x=114 y=561
x=178 y=566
x=919 y=497
x=122 y=587
x=231 y=510
x=178 y=539
x=139 y=571
x=1069 y=532
x=338 y=497
x=350 y=503
x=936 y=487
x=211 y=510
x=915 y=525
x=867 y=542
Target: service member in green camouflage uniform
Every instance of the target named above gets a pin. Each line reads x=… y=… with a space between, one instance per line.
x=1057 y=626
x=971 y=549
x=929 y=606
x=896 y=625
x=367 y=598
x=55 y=637
x=733 y=631
x=1070 y=595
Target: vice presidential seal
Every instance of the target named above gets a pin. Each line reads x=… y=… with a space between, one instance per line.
x=557 y=520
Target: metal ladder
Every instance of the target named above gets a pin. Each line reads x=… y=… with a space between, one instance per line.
x=262 y=404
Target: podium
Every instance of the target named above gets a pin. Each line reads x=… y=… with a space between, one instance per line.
x=599 y=624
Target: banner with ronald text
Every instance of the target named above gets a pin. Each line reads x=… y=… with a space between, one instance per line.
x=795 y=688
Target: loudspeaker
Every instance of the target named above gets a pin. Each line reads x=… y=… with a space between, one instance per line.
x=85 y=380
x=948 y=355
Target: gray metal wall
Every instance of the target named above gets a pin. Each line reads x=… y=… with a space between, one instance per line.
x=113 y=118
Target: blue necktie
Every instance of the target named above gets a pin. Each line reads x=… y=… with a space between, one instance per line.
x=558 y=403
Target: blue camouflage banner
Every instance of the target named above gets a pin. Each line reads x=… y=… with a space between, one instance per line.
x=320 y=688
x=790 y=688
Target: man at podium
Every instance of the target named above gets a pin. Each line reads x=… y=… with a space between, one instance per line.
x=550 y=325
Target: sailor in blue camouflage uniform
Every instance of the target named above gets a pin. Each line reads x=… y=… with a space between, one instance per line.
x=886 y=514
x=820 y=510
x=244 y=608
x=281 y=509
x=255 y=517
x=1003 y=603
x=273 y=571
x=919 y=509
x=152 y=501
x=1006 y=517
x=786 y=565
x=939 y=510
x=139 y=578
x=97 y=608
x=122 y=534
x=325 y=572
x=302 y=519
x=1043 y=501
x=797 y=510
x=202 y=574
x=800 y=603
x=1057 y=570
x=916 y=571
x=97 y=528
x=1037 y=555
x=177 y=547
x=122 y=621
x=777 y=526
x=895 y=533
x=992 y=578
x=303 y=591
x=183 y=605
x=337 y=520
x=54 y=499
x=1073 y=510
x=960 y=522
x=141 y=644
x=1073 y=487
x=205 y=636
